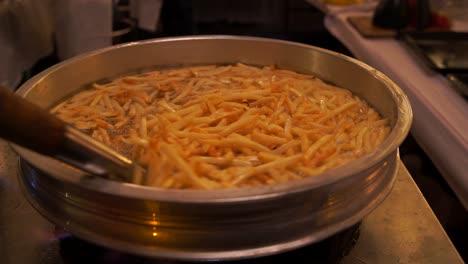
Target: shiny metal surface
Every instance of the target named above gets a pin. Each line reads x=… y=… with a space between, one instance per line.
x=222 y=224
x=403 y=229
x=89 y=155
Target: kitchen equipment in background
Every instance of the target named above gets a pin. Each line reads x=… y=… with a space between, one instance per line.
x=419 y=14
x=443 y=52
x=391 y=14
x=452 y=12
x=399 y=14
x=460 y=82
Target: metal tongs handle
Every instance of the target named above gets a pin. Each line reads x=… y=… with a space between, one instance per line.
x=27 y=125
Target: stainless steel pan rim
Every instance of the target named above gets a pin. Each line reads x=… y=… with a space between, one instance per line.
x=66 y=221
x=397 y=135
x=214 y=224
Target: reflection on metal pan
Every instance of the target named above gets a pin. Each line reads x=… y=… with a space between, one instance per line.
x=218 y=224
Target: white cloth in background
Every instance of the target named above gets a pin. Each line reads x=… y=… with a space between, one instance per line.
x=26 y=29
x=147 y=13
x=82 y=25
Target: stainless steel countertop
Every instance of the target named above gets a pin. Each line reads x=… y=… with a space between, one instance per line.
x=401 y=230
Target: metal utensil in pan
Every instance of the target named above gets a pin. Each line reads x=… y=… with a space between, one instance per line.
x=30 y=126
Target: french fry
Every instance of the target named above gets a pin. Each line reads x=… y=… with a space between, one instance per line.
x=210 y=127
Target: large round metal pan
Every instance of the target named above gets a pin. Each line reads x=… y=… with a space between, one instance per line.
x=215 y=224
